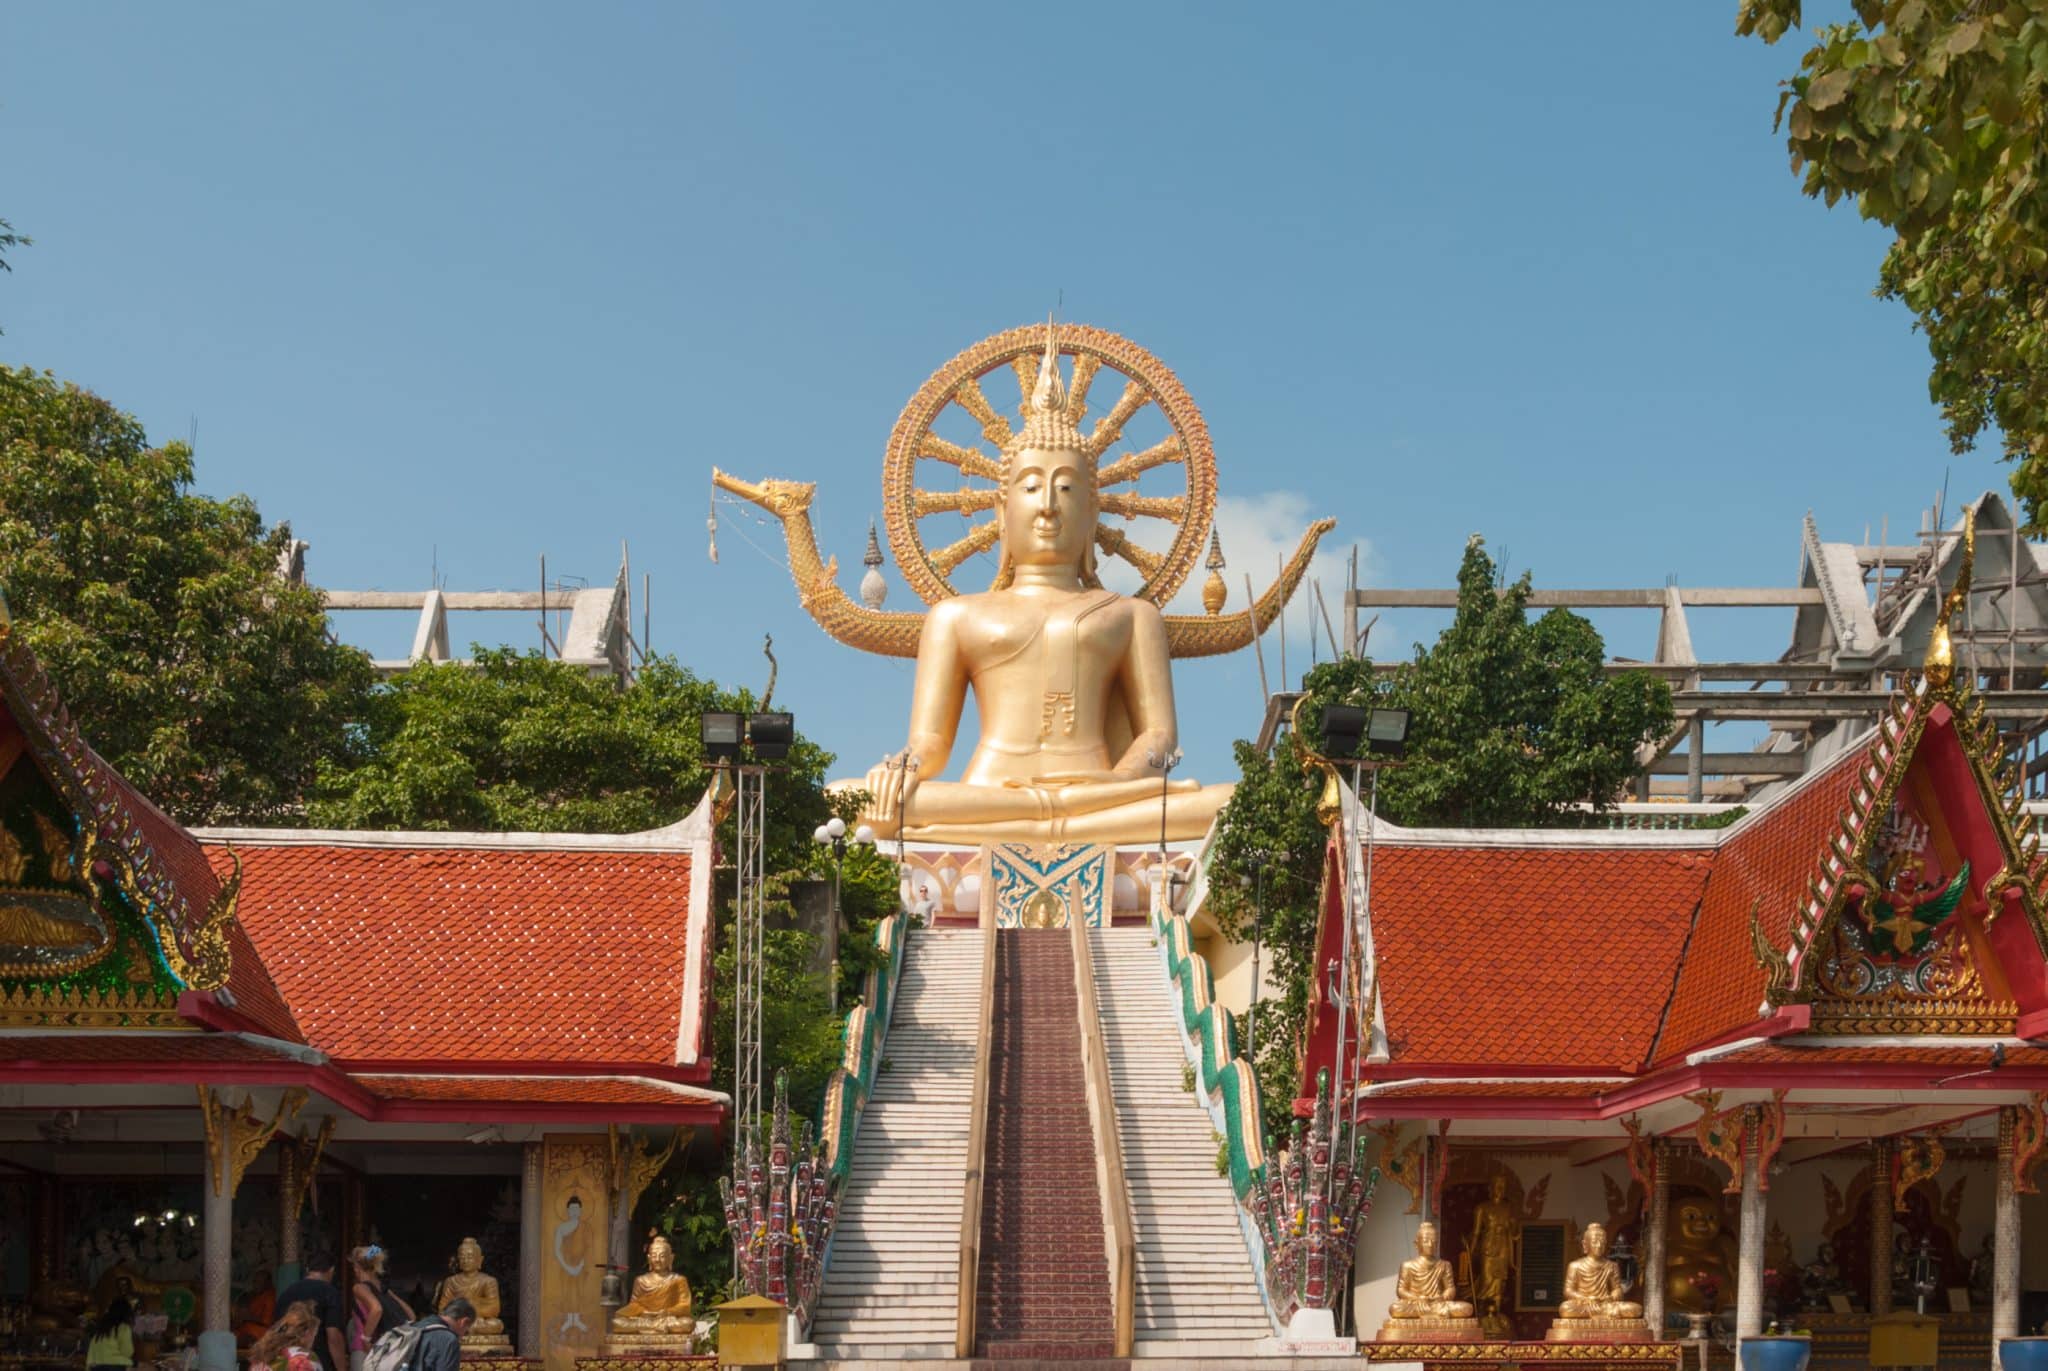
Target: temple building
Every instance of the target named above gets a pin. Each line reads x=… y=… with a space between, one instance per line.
x=226 y=1049
x=1792 y=1064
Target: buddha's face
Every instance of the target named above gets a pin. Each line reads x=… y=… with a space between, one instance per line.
x=1049 y=508
x=661 y=1258
x=1498 y=1189
x=1595 y=1241
x=1696 y=1222
x=1425 y=1240
x=469 y=1258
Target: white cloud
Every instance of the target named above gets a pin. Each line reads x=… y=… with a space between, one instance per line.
x=1259 y=532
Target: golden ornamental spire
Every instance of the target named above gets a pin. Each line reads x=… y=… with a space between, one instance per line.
x=1047 y=424
x=1940 y=668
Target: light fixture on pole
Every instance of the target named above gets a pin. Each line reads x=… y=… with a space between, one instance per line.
x=1164 y=765
x=832 y=833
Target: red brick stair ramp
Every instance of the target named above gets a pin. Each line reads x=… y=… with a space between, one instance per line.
x=1042 y=1288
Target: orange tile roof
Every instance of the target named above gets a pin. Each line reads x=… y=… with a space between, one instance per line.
x=1767 y=857
x=1507 y=1090
x=526 y=1089
x=409 y=955
x=1538 y=956
x=73 y=1049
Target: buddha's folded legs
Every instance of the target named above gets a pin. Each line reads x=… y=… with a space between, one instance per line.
x=1088 y=812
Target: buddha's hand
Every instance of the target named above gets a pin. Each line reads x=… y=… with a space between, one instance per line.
x=890 y=786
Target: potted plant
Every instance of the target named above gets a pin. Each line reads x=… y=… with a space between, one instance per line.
x=1777 y=1349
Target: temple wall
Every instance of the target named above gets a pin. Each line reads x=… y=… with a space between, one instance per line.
x=1230 y=966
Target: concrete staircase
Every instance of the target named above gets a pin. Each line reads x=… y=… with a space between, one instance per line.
x=892 y=1276
x=1043 y=1293
x=1197 y=1295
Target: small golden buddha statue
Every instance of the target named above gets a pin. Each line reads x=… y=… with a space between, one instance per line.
x=1696 y=1245
x=661 y=1314
x=1426 y=1307
x=1496 y=1229
x=1593 y=1309
x=468 y=1282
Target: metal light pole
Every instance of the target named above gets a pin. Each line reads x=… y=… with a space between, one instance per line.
x=1164 y=765
x=833 y=834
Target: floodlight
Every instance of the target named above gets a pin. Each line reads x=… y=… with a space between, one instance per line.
x=1386 y=733
x=1343 y=726
x=771 y=735
x=721 y=734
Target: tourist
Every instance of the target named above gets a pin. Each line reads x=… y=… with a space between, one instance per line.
x=317 y=1289
x=112 y=1345
x=438 y=1353
x=289 y=1344
x=377 y=1311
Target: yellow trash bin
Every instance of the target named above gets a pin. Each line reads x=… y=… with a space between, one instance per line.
x=1905 y=1339
x=750 y=1332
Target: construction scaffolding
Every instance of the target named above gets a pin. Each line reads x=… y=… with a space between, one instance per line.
x=1862 y=615
x=592 y=625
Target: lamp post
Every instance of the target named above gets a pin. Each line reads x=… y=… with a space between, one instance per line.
x=1260 y=860
x=832 y=833
x=1164 y=765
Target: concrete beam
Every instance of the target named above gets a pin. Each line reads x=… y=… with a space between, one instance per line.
x=1733 y=764
x=528 y=600
x=1718 y=597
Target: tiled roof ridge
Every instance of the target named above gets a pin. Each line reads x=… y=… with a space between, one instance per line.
x=1692 y=929
x=680 y=836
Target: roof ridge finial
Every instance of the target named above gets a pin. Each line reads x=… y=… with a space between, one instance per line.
x=1940 y=668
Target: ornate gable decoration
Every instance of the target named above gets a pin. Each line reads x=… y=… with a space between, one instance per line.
x=51 y=926
x=1895 y=934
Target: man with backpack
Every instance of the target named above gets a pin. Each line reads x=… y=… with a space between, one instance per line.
x=433 y=1343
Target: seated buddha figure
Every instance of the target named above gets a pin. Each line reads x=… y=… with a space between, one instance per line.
x=1425 y=1304
x=661 y=1310
x=469 y=1282
x=1072 y=682
x=1593 y=1308
x=1696 y=1246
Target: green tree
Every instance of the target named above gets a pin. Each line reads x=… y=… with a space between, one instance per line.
x=1513 y=723
x=1929 y=114
x=210 y=683
x=9 y=239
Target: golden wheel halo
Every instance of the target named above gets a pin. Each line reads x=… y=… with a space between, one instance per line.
x=1147 y=381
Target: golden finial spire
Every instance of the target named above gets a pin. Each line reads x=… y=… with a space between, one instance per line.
x=1047 y=425
x=1940 y=668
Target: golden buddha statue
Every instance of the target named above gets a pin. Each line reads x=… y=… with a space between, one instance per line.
x=1593 y=1309
x=1695 y=1245
x=469 y=1282
x=661 y=1313
x=1496 y=1228
x=1426 y=1307
x=1073 y=683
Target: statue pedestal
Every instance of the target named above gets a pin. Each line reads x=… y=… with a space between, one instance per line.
x=1598 y=1330
x=649 y=1344
x=1430 y=1330
x=488 y=1345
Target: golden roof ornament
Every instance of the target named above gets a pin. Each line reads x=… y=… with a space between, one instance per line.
x=1214 y=591
x=1940 y=668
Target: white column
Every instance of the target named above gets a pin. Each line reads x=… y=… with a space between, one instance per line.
x=529 y=1252
x=2005 y=1242
x=1749 y=1276
x=1653 y=1238
x=217 y=1338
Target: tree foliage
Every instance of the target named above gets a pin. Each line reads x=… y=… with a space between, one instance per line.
x=1513 y=723
x=1929 y=113
x=206 y=680
x=9 y=239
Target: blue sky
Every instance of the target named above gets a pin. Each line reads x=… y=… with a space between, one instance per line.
x=453 y=287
